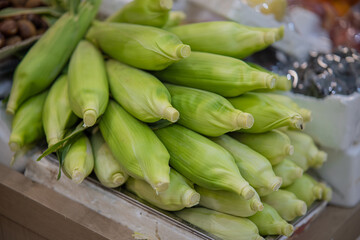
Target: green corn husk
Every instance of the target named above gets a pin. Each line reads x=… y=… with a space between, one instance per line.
x=79 y=160
x=144 y=12
x=202 y=161
x=140 y=93
x=225 y=226
x=299 y=159
x=286 y=204
x=227 y=38
x=107 y=169
x=274 y=145
x=288 y=171
x=57 y=114
x=223 y=75
x=175 y=19
x=288 y=102
x=282 y=82
x=268 y=114
x=327 y=192
x=139 y=46
x=47 y=57
x=88 y=84
x=269 y=222
x=207 y=113
x=255 y=168
x=179 y=195
x=136 y=147
x=304 y=147
x=228 y=202
x=306 y=189
x=27 y=124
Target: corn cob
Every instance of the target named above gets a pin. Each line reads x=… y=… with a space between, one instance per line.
x=202 y=161
x=326 y=191
x=288 y=171
x=27 y=125
x=57 y=114
x=269 y=222
x=79 y=160
x=88 y=84
x=207 y=113
x=304 y=147
x=268 y=114
x=140 y=93
x=228 y=202
x=136 y=147
x=274 y=145
x=179 y=195
x=223 y=75
x=225 y=226
x=286 y=204
x=283 y=83
x=107 y=169
x=126 y=42
x=144 y=12
x=288 y=102
x=305 y=189
x=227 y=38
x=47 y=57
x=175 y=18
x=255 y=168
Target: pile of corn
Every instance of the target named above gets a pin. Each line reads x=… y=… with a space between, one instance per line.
x=230 y=147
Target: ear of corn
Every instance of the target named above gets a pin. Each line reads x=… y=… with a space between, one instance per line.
x=223 y=75
x=140 y=93
x=306 y=189
x=269 y=222
x=47 y=57
x=268 y=114
x=179 y=195
x=88 y=84
x=255 y=168
x=282 y=82
x=57 y=114
x=227 y=38
x=79 y=160
x=326 y=190
x=274 y=145
x=286 y=204
x=175 y=19
x=288 y=171
x=306 y=154
x=225 y=226
x=27 y=125
x=126 y=42
x=107 y=169
x=136 y=147
x=229 y=202
x=144 y=12
x=202 y=161
x=207 y=113
x=288 y=102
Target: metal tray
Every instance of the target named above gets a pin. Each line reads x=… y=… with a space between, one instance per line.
x=145 y=220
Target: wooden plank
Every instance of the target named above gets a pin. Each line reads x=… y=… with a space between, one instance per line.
x=13 y=231
x=51 y=214
x=334 y=223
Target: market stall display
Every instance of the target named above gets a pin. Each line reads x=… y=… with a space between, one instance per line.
x=154 y=146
